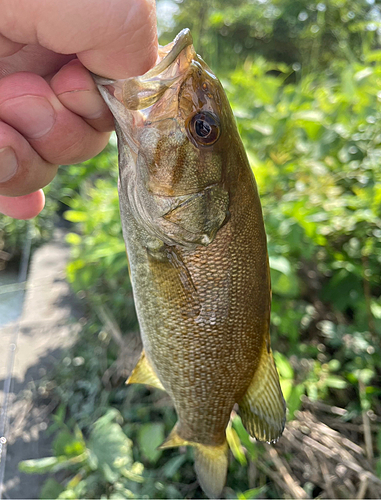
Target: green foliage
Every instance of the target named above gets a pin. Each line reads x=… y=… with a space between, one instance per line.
x=99 y=269
x=316 y=164
x=105 y=458
x=378 y=464
x=309 y=34
x=13 y=232
x=253 y=493
x=88 y=428
x=70 y=181
x=150 y=437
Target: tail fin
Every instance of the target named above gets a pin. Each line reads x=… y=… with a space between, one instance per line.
x=263 y=409
x=211 y=462
x=211 y=465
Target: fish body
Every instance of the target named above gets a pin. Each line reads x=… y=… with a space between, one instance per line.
x=196 y=244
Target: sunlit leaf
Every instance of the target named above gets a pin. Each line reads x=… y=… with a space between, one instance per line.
x=50 y=489
x=75 y=216
x=335 y=382
x=173 y=465
x=244 y=437
x=235 y=445
x=253 y=493
x=281 y=264
x=150 y=437
x=284 y=367
x=109 y=446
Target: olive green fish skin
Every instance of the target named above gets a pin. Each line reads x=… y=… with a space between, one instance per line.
x=196 y=244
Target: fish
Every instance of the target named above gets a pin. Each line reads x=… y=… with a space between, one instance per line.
x=196 y=244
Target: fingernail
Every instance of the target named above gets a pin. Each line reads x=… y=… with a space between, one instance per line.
x=33 y=116
x=87 y=103
x=8 y=164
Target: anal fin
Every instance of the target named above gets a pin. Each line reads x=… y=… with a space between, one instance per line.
x=263 y=409
x=143 y=373
x=174 y=440
x=211 y=462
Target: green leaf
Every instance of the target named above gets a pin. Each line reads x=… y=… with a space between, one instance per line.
x=284 y=367
x=294 y=401
x=286 y=386
x=235 y=445
x=68 y=494
x=309 y=116
x=76 y=216
x=38 y=465
x=364 y=73
x=50 y=464
x=253 y=493
x=151 y=436
x=334 y=365
x=172 y=492
x=110 y=448
x=378 y=468
x=244 y=437
x=365 y=375
x=173 y=465
x=73 y=239
x=335 y=382
x=280 y=264
x=66 y=444
x=262 y=128
x=375 y=307
x=374 y=56
x=282 y=284
x=51 y=489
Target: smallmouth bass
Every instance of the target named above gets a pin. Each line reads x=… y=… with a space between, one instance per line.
x=196 y=243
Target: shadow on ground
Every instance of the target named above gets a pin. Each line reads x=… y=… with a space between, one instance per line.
x=28 y=420
x=49 y=325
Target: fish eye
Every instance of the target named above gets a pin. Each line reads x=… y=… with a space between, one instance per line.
x=204 y=129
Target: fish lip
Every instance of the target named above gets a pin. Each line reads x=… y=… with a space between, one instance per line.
x=182 y=41
x=101 y=80
x=113 y=91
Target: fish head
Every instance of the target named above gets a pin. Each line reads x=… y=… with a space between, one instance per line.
x=176 y=124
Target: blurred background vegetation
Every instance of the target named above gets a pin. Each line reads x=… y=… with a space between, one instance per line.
x=304 y=81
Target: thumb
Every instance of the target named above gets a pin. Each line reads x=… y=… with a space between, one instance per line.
x=113 y=38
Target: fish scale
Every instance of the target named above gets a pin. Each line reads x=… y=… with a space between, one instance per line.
x=196 y=244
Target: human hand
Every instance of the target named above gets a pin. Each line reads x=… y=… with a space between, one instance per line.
x=50 y=110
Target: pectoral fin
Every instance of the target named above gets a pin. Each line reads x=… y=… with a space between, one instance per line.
x=143 y=373
x=263 y=409
x=201 y=215
x=173 y=279
x=211 y=462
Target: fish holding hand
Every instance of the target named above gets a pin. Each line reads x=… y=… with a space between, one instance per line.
x=196 y=243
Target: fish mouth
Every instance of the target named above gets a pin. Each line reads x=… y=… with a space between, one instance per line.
x=141 y=92
x=169 y=53
x=138 y=101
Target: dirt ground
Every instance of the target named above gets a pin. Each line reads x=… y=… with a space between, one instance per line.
x=48 y=325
